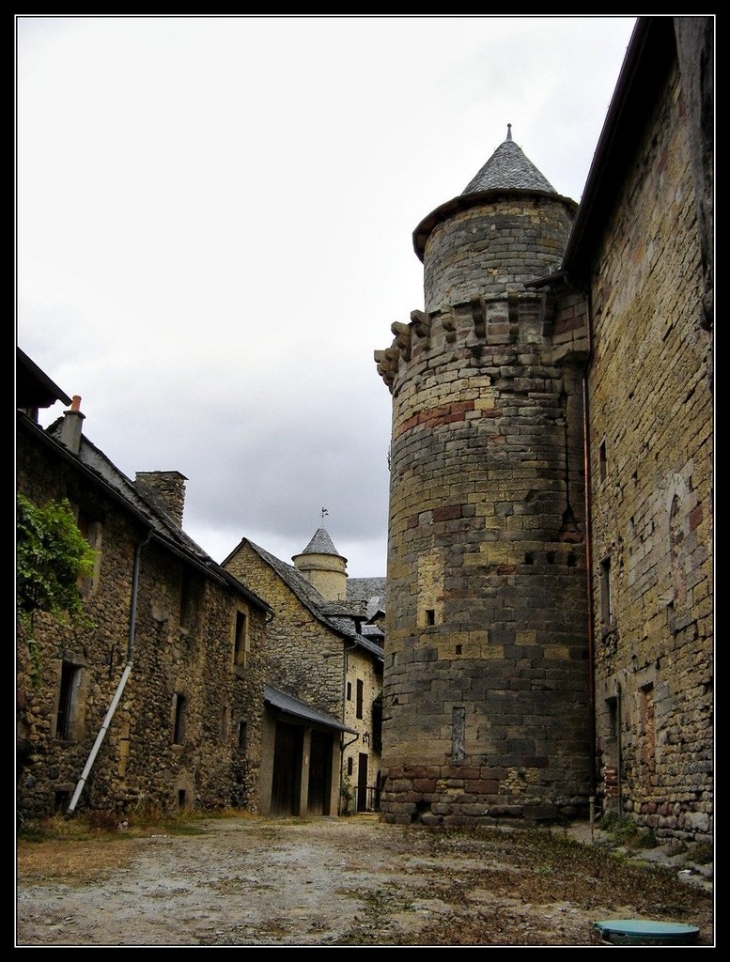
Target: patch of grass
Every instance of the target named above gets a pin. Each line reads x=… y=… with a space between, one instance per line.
x=623 y=831
x=701 y=853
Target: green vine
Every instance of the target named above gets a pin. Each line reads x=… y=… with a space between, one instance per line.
x=51 y=557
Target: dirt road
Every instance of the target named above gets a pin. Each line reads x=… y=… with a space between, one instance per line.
x=251 y=881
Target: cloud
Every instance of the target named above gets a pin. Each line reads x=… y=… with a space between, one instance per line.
x=214 y=233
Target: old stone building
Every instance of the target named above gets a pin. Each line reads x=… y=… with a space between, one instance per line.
x=157 y=702
x=324 y=681
x=550 y=606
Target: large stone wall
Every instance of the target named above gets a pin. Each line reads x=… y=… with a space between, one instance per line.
x=651 y=447
x=305 y=658
x=138 y=764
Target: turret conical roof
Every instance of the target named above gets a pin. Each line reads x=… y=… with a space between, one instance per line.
x=508 y=167
x=321 y=543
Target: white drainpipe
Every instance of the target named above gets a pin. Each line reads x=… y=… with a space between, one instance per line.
x=99 y=739
x=122 y=681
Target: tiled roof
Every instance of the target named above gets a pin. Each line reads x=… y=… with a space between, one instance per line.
x=507 y=168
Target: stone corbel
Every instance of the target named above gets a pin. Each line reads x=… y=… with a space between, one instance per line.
x=421 y=323
x=402 y=338
x=449 y=326
x=479 y=315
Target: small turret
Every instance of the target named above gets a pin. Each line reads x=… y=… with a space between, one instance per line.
x=323 y=567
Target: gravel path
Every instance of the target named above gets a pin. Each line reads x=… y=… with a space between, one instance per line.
x=251 y=881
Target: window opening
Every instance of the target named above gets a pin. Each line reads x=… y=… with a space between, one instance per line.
x=605 y=593
x=602 y=461
x=458 y=729
x=242 y=736
x=241 y=645
x=68 y=700
x=178 y=733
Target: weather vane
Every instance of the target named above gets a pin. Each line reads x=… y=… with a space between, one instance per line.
x=325 y=512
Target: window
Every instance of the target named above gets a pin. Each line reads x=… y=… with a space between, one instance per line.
x=91 y=532
x=647 y=729
x=242 y=736
x=68 y=701
x=602 y=461
x=377 y=722
x=225 y=724
x=605 y=594
x=349 y=691
x=241 y=644
x=189 y=591
x=349 y=765
x=458 y=731
x=358 y=702
x=180 y=705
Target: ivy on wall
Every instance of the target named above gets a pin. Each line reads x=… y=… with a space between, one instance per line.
x=51 y=557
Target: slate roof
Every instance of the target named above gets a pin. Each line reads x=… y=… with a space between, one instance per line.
x=369 y=590
x=101 y=470
x=292 y=706
x=508 y=168
x=338 y=616
x=321 y=543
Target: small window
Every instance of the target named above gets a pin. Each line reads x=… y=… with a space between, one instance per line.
x=602 y=461
x=68 y=701
x=186 y=600
x=349 y=765
x=180 y=710
x=605 y=593
x=358 y=703
x=241 y=646
x=225 y=724
x=349 y=691
x=242 y=736
x=91 y=532
x=430 y=617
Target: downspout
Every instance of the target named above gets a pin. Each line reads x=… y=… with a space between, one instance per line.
x=589 y=561
x=122 y=682
x=618 y=748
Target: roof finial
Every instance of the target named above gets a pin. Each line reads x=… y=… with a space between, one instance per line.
x=509 y=132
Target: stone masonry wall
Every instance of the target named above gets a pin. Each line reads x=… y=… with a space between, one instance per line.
x=361 y=667
x=138 y=765
x=305 y=658
x=496 y=246
x=485 y=709
x=651 y=466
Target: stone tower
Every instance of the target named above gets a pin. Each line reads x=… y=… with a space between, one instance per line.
x=323 y=567
x=486 y=688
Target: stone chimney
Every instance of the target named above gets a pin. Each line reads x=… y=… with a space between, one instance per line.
x=71 y=427
x=166 y=489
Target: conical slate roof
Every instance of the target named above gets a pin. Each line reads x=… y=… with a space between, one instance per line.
x=321 y=543
x=508 y=167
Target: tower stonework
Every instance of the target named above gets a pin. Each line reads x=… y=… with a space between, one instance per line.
x=486 y=685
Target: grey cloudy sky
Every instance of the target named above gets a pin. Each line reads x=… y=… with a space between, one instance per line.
x=214 y=219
